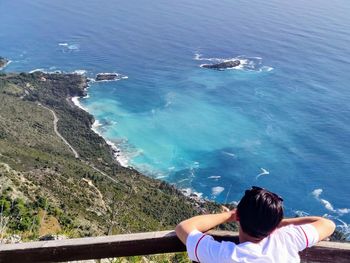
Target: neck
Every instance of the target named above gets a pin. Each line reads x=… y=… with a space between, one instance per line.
x=243 y=237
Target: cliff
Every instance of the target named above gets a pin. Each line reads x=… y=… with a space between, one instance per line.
x=45 y=188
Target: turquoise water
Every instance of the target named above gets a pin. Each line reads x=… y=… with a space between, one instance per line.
x=281 y=122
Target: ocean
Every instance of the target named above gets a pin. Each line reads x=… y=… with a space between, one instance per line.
x=281 y=120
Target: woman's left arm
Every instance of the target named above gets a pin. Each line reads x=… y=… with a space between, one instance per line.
x=203 y=223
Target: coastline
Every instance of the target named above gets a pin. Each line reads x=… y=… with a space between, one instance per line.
x=92 y=125
x=8 y=62
x=117 y=153
x=113 y=186
x=190 y=193
x=121 y=158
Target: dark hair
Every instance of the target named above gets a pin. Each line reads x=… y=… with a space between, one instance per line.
x=260 y=212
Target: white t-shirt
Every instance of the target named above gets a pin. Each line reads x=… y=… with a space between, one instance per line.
x=280 y=246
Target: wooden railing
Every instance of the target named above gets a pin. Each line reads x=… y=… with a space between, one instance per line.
x=140 y=244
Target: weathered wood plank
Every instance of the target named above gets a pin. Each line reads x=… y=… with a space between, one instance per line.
x=139 y=244
x=92 y=248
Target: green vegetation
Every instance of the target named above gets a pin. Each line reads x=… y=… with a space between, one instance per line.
x=85 y=196
x=44 y=189
x=166 y=258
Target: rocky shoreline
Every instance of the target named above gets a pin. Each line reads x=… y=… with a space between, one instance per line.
x=142 y=203
x=3 y=62
x=197 y=199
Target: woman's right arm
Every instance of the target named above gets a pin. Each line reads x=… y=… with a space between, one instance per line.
x=324 y=226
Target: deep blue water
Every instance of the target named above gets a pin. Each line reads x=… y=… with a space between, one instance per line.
x=287 y=112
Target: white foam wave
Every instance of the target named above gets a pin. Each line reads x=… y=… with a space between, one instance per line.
x=215 y=191
x=69 y=47
x=50 y=71
x=301 y=213
x=79 y=72
x=328 y=205
x=343 y=227
x=199 y=57
x=161 y=176
x=214 y=177
x=234 y=203
x=6 y=64
x=168 y=103
x=344 y=211
x=317 y=192
x=117 y=153
x=229 y=154
x=183 y=180
x=190 y=192
x=37 y=70
x=74 y=47
x=77 y=103
x=263 y=172
x=193 y=165
x=96 y=124
x=267 y=68
x=122 y=159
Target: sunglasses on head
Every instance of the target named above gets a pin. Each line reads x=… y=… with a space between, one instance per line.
x=257 y=188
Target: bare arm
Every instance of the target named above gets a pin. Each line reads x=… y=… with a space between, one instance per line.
x=324 y=226
x=203 y=223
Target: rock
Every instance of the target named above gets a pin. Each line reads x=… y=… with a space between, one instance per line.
x=223 y=65
x=13 y=239
x=52 y=237
x=3 y=62
x=107 y=76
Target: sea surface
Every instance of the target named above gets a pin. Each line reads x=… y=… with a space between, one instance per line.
x=281 y=120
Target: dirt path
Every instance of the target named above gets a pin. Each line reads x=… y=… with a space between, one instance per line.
x=55 y=120
x=103 y=173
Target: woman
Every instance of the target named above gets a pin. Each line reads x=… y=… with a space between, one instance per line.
x=264 y=236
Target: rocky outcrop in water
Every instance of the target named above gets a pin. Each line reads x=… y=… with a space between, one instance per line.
x=223 y=65
x=107 y=76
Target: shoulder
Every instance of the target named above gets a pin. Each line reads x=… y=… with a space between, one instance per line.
x=203 y=248
x=300 y=236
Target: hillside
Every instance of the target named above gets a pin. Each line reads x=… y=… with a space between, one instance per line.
x=45 y=189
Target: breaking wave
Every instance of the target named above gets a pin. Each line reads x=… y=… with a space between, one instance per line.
x=69 y=47
x=215 y=191
x=328 y=205
x=6 y=64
